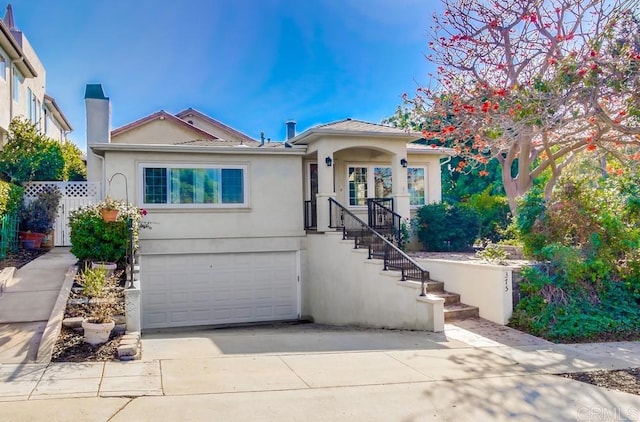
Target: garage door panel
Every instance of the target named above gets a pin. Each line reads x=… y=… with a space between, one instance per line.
x=184 y=290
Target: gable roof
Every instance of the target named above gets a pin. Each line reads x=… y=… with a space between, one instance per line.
x=353 y=127
x=191 y=111
x=160 y=115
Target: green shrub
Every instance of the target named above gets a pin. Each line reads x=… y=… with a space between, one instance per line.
x=39 y=215
x=92 y=238
x=447 y=227
x=493 y=211
x=74 y=168
x=93 y=280
x=587 y=234
x=29 y=155
x=10 y=198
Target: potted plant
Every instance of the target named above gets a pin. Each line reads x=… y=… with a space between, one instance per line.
x=110 y=209
x=38 y=216
x=101 y=291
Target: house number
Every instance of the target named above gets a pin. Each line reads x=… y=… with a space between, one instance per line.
x=506 y=282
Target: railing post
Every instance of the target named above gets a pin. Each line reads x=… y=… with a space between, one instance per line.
x=422 y=289
x=386 y=258
x=330 y=214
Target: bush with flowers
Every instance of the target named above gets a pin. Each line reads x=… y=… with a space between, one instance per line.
x=92 y=238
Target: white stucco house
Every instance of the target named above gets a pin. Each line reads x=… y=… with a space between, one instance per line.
x=23 y=85
x=245 y=230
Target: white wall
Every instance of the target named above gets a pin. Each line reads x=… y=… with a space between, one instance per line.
x=341 y=286
x=489 y=287
x=272 y=221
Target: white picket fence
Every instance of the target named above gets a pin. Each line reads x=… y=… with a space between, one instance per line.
x=74 y=196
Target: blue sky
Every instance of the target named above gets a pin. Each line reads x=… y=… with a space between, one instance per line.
x=252 y=64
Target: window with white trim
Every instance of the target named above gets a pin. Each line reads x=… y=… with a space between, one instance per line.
x=194 y=186
x=362 y=178
x=417 y=186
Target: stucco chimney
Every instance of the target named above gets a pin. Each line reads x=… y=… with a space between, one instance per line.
x=98 y=110
x=291 y=129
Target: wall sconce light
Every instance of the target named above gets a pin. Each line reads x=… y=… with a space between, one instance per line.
x=328 y=161
x=403 y=162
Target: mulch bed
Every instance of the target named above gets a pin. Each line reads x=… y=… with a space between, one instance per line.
x=71 y=347
x=21 y=257
x=626 y=380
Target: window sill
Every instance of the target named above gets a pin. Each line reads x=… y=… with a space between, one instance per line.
x=196 y=210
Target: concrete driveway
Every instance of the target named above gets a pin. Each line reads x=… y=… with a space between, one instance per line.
x=474 y=371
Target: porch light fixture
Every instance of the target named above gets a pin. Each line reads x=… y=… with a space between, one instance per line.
x=403 y=162
x=328 y=161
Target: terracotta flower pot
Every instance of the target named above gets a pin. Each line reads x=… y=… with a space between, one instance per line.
x=109 y=215
x=36 y=237
x=97 y=333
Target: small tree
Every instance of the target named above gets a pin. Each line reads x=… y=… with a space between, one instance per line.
x=29 y=155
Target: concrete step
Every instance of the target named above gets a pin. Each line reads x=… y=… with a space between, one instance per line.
x=460 y=311
x=435 y=287
x=449 y=298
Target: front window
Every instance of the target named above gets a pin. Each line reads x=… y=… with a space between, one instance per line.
x=416 y=186
x=361 y=179
x=215 y=186
x=382 y=180
x=357 y=185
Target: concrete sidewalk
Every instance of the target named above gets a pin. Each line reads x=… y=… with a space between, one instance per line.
x=475 y=370
x=26 y=305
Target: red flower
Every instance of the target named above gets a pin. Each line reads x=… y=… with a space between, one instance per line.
x=449 y=129
x=591 y=147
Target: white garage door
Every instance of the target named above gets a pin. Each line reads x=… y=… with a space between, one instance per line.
x=189 y=290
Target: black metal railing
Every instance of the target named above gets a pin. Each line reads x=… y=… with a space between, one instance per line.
x=378 y=245
x=383 y=219
x=310 y=215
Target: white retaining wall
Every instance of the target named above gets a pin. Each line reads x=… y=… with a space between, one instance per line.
x=489 y=287
x=341 y=286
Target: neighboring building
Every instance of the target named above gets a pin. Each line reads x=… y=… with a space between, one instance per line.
x=23 y=85
x=232 y=216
